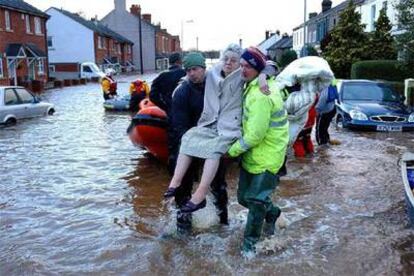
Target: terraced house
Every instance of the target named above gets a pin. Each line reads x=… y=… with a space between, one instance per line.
x=23 y=44
x=73 y=40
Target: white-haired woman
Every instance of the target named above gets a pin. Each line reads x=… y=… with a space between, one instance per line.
x=218 y=126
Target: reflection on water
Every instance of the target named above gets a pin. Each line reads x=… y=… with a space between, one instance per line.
x=77 y=197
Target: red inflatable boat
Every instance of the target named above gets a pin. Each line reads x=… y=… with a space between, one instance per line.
x=148 y=130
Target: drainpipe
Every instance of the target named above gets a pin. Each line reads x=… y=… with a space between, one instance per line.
x=141 y=63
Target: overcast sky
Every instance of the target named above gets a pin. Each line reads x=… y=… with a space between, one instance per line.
x=216 y=23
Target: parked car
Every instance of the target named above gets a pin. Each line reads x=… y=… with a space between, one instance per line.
x=372 y=105
x=17 y=103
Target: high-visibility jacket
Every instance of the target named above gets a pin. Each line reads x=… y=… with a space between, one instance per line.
x=265 y=130
x=108 y=85
x=139 y=86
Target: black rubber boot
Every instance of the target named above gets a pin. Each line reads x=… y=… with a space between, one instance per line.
x=269 y=226
x=183 y=223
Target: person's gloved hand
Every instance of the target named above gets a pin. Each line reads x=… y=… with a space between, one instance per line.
x=264 y=87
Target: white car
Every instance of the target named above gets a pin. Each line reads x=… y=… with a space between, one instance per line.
x=17 y=103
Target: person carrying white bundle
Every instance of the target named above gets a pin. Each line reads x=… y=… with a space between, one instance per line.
x=314 y=75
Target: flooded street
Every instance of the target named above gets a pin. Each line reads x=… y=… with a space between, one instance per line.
x=76 y=197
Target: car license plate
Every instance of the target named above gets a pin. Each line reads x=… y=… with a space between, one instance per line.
x=389 y=128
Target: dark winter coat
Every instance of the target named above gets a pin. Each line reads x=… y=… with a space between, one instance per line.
x=163 y=86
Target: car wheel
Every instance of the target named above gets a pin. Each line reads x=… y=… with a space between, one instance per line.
x=51 y=112
x=339 y=121
x=11 y=121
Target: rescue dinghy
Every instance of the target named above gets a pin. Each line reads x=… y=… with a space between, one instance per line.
x=117 y=103
x=148 y=130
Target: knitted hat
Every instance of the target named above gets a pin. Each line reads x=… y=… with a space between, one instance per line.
x=255 y=58
x=174 y=57
x=194 y=59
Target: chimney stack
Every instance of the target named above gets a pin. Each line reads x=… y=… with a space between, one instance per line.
x=120 y=5
x=326 y=5
x=312 y=15
x=147 y=17
x=267 y=34
x=136 y=10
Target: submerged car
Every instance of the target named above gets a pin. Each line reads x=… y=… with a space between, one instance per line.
x=372 y=105
x=17 y=103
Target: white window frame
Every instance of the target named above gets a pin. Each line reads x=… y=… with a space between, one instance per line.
x=129 y=49
x=27 y=20
x=373 y=16
x=38 y=25
x=1 y=68
x=7 y=20
x=100 y=42
x=40 y=66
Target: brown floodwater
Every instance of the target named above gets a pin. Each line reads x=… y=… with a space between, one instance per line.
x=76 y=197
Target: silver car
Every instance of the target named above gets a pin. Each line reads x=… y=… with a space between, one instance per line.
x=17 y=103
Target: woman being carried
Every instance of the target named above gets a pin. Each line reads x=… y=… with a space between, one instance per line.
x=219 y=124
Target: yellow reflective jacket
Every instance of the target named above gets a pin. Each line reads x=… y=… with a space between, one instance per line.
x=265 y=130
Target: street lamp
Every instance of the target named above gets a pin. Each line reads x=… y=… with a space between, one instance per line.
x=304 y=50
x=182 y=30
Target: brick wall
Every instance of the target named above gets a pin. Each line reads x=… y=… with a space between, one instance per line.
x=110 y=50
x=166 y=43
x=66 y=67
x=18 y=34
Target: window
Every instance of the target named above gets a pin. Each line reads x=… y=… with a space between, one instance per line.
x=24 y=95
x=49 y=42
x=373 y=12
x=28 y=30
x=7 y=19
x=1 y=68
x=100 y=42
x=38 y=27
x=87 y=69
x=129 y=49
x=32 y=71
x=10 y=97
x=41 y=67
x=52 y=68
x=119 y=48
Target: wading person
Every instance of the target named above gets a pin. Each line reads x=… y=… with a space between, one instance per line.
x=163 y=85
x=326 y=110
x=262 y=148
x=187 y=106
x=218 y=127
x=162 y=89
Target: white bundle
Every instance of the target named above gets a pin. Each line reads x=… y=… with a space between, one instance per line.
x=314 y=75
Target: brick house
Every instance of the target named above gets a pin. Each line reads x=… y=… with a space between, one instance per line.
x=23 y=50
x=73 y=40
x=157 y=43
x=165 y=44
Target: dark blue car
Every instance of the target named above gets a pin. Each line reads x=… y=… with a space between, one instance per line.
x=372 y=105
